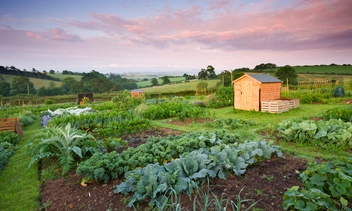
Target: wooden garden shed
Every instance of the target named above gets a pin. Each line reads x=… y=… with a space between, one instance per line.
x=251 y=90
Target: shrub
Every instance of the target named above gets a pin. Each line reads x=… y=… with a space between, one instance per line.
x=223 y=96
x=8 y=142
x=10 y=137
x=177 y=107
x=344 y=114
x=6 y=150
x=49 y=102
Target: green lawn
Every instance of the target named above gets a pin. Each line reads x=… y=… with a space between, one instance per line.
x=19 y=186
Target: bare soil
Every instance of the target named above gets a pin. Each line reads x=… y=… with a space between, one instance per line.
x=264 y=183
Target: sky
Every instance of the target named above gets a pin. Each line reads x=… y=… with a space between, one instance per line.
x=140 y=36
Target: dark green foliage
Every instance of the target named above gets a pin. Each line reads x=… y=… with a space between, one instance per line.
x=183 y=175
x=155 y=101
x=65 y=143
x=223 y=96
x=263 y=66
x=154 y=82
x=229 y=123
x=10 y=137
x=208 y=73
x=312 y=96
x=8 y=146
x=105 y=123
x=6 y=150
x=27 y=118
x=325 y=186
x=157 y=150
x=331 y=134
x=5 y=88
x=344 y=114
x=177 y=107
x=122 y=83
x=165 y=79
x=287 y=72
x=125 y=101
x=22 y=85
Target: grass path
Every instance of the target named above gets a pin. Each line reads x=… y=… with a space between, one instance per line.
x=19 y=186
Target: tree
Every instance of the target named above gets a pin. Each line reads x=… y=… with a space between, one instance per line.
x=263 y=66
x=203 y=74
x=226 y=78
x=287 y=72
x=166 y=80
x=5 y=88
x=211 y=72
x=236 y=74
x=154 y=82
x=42 y=91
x=92 y=75
x=98 y=85
x=52 y=71
x=76 y=87
x=122 y=83
x=22 y=85
x=206 y=74
x=67 y=84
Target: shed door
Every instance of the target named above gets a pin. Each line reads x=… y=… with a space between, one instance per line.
x=246 y=97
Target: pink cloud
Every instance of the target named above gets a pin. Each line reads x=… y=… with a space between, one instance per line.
x=220 y=4
x=60 y=34
x=308 y=24
x=33 y=34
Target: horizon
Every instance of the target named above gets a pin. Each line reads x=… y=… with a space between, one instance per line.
x=167 y=36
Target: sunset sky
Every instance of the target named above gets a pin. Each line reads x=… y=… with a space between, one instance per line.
x=173 y=35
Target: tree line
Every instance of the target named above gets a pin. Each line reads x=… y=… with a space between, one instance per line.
x=284 y=73
x=12 y=70
x=90 y=82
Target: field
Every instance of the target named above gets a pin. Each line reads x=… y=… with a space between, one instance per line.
x=148 y=83
x=179 y=87
x=61 y=76
x=36 y=82
x=324 y=69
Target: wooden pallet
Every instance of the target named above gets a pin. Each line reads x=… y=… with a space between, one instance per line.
x=11 y=124
x=279 y=106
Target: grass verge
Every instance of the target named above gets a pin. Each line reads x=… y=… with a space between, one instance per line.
x=19 y=186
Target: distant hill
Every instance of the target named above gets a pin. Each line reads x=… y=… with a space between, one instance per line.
x=319 y=69
x=30 y=74
x=36 y=81
x=62 y=76
x=325 y=69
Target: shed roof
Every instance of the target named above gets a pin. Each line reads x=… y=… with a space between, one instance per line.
x=262 y=78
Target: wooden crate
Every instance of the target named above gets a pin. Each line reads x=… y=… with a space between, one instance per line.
x=279 y=106
x=11 y=124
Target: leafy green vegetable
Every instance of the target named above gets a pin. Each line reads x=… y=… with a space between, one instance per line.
x=184 y=174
